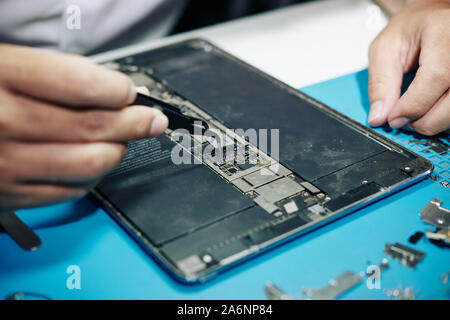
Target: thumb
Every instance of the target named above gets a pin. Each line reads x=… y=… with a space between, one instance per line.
x=385 y=78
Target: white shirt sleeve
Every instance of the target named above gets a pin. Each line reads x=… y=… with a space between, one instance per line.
x=52 y=24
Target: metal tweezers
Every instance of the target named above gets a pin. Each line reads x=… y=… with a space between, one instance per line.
x=177 y=119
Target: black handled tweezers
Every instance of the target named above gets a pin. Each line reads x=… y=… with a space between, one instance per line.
x=177 y=120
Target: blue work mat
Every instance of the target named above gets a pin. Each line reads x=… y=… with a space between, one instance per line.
x=113 y=266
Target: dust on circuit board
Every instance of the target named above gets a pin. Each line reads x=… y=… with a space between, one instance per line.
x=262 y=178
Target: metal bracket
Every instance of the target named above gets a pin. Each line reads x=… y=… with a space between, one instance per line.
x=337 y=287
x=273 y=292
x=407 y=256
x=435 y=214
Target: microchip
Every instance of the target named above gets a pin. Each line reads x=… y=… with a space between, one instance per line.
x=232 y=170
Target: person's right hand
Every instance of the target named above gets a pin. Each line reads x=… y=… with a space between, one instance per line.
x=63 y=124
x=417 y=36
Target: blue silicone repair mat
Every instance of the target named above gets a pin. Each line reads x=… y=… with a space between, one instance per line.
x=113 y=266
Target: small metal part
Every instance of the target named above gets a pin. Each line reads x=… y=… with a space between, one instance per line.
x=384 y=264
x=314 y=216
x=434 y=177
x=445 y=184
x=273 y=292
x=251 y=194
x=441 y=235
x=435 y=214
x=400 y=294
x=439 y=217
x=207 y=258
x=317 y=209
x=290 y=207
x=337 y=287
x=408 y=169
x=19 y=231
x=408 y=294
x=407 y=256
x=191 y=265
x=444 y=277
x=278 y=213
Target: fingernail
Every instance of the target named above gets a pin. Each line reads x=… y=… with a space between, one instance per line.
x=159 y=124
x=398 y=122
x=377 y=114
x=131 y=94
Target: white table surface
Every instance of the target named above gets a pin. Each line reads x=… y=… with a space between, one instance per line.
x=300 y=44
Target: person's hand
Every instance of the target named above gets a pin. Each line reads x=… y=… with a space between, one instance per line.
x=418 y=35
x=63 y=124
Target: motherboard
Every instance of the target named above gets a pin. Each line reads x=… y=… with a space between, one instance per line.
x=253 y=172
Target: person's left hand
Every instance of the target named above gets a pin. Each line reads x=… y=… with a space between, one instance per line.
x=419 y=34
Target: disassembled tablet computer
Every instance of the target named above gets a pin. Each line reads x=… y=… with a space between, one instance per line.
x=234 y=196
